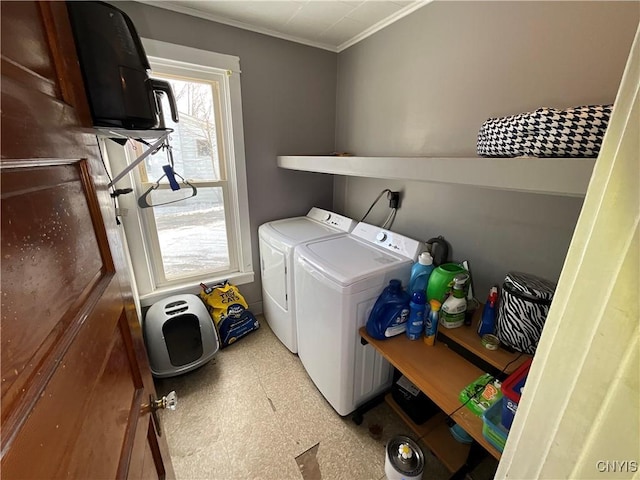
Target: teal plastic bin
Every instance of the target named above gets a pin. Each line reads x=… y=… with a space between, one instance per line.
x=492 y=428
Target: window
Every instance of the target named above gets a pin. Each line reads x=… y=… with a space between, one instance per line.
x=184 y=240
x=203 y=148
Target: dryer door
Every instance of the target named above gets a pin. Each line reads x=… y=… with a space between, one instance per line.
x=274 y=273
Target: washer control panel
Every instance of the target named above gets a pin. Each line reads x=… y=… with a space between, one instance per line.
x=388 y=240
x=340 y=222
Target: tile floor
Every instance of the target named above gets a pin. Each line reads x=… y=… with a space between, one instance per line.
x=253 y=412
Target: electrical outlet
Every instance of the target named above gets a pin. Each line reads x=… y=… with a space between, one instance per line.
x=394 y=199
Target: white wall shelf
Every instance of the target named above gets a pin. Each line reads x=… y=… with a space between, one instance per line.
x=551 y=176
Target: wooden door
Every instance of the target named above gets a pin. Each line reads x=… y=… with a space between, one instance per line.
x=75 y=377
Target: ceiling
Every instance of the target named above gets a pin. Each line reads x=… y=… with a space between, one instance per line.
x=329 y=24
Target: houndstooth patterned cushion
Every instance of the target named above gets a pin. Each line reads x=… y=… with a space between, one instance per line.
x=546 y=132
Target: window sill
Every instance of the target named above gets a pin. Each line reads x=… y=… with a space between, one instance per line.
x=193 y=287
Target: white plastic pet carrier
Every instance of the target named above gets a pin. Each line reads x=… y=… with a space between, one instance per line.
x=180 y=335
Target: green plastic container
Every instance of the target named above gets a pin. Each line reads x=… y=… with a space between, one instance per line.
x=481 y=394
x=441 y=280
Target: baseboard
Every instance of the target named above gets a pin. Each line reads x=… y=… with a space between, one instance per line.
x=256 y=308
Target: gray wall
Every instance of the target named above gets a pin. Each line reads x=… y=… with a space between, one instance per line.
x=424 y=85
x=288 y=107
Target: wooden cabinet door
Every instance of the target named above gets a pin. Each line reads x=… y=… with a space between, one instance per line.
x=75 y=377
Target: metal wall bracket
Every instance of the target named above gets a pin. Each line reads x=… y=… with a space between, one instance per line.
x=120 y=134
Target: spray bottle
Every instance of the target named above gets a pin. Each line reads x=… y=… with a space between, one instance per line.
x=454 y=307
x=488 y=321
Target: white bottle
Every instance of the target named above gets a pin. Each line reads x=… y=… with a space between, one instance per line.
x=455 y=306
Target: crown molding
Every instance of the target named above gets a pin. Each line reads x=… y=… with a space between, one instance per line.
x=235 y=23
x=292 y=38
x=383 y=23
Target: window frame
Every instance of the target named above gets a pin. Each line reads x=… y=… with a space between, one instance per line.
x=143 y=247
x=169 y=69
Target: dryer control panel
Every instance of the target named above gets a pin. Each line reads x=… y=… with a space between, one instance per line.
x=394 y=242
x=340 y=222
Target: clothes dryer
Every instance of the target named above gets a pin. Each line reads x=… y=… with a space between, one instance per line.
x=338 y=280
x=277 y=241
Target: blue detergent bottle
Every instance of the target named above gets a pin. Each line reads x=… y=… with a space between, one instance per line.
x=417 y=306
x=420 y=273
x=390 y=312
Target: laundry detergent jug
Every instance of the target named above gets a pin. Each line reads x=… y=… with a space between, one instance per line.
x=420 y=273
x=441 y=281
x=390 y=312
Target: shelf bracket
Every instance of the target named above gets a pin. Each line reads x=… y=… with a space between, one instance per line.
x=135 y=163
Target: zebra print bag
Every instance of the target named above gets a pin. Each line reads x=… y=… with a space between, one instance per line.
x=524 y=304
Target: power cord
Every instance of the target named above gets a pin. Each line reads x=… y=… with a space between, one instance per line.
x=394 y=201
x=104 y=164
x=114 y=192
x=386 y=190
x=390 y=218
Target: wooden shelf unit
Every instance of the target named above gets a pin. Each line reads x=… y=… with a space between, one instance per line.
x=467 y=338
x=435 y=434
x=441 y=374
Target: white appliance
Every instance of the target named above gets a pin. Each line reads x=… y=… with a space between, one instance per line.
x=277 y=242
x=338 y=281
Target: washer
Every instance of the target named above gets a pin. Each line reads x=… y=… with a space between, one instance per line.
x=338 y=281
x=277 y=242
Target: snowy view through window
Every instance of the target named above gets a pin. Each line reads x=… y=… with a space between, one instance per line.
x=192 y=233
